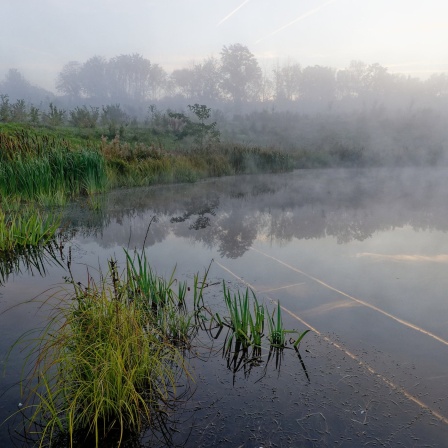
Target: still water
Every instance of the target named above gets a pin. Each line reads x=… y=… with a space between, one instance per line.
x=358 y=256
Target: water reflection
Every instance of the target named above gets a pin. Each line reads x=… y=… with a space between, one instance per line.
x=30 y=260
x=295 y=220
x=230 y=214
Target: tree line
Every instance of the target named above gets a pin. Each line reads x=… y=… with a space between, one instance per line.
x=234 y=78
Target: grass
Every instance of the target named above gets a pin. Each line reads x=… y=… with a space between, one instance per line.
x=247 y=326
x=24 y=230
x=105 y=364
x=51 y=166
x=246 y=322
x=277 y=333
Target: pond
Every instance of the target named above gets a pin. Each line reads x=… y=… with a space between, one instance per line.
x=358 y=256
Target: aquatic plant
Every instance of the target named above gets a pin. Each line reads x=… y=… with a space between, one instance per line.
x=247 y=328
x=33 y=260
x=277 y=333
x=155 y=296
x=102 y=364
x=246 y=324
x=31 y=228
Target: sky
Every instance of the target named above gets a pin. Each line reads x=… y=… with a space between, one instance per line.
x=38 y=37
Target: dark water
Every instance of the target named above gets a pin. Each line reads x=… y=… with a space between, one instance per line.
x=358 y=256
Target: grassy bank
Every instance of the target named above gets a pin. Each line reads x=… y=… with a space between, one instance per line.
x=52 y=165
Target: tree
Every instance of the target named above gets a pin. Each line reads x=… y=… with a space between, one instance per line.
x=437 y=85
x=318 y=84
x=93 y=78
x=55 y=116
x=287 y=81
x=240 y=74
x=350 y=80
x=129 y=77
x=69 y=81
x=199 y=83
x=203 y=133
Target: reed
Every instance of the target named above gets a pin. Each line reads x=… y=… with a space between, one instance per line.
x=24 y=230
x=156 y=296
x=247 y=326
x=277 y=333
x=102 y=365
x=40 y=167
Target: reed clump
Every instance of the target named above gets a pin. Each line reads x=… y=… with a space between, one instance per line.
x=29 y=229
x=108 y=361
x=35 y=167
x=246 y=322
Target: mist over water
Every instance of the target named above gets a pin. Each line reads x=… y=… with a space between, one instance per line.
x=359 y=255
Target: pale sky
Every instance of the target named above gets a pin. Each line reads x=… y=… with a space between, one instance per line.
x=38 y=37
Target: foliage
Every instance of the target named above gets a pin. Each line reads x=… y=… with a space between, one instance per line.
x=277 y=333
x=4 y=108
x=246 y=323
x=55 y=116
x=241 y=74
x=82 y=117
x=115 y=118
x=203 y=133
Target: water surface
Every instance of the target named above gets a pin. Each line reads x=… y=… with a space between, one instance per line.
x=359 y=256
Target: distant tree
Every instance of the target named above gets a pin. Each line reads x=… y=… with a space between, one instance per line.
x=287 y=81
x=18 y=88
x=182 y=81
x=240 y=74
x=34 y=115
x=267 y=88
x=199 y=83
x=69 y=80
x=437 y=85
x=93 y=78
x=318 y=84
x=350 y=81
x=129 y=77
x=376 y=80
x=158 y=80
x=19 y=113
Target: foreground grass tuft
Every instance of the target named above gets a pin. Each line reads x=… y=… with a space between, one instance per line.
x=102 y=366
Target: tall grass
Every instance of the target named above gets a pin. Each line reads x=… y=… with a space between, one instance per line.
x=104 y=364
x=47 y=169
x=25 y=230
x=69 y=172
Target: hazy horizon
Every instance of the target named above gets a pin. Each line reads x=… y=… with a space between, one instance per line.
x=39 y=38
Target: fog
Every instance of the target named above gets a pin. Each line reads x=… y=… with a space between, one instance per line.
x=364 y=82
